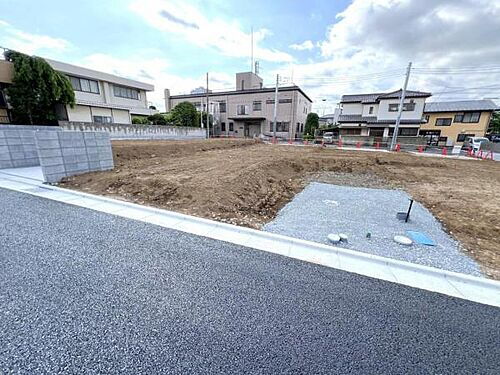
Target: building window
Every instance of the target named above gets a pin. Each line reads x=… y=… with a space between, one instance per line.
x=222 y=107
x=297 y=128
x=223 y=126
x=231 y=126
x=351 y=131
x=443 y=121
x=257 y=105
x=197 y=105
x=407 y=107
x=302 y=127
x=126 y=92
x=102 y=119
x=408 y=132
x=405 y=132
x=283 y=101
x=242 y=109
x=270 y=101
x=467 y=117
x=84 y=85
x=370 y=111
x=281 y=126
x=463 y=137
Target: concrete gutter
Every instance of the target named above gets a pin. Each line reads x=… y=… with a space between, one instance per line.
x=453 y=284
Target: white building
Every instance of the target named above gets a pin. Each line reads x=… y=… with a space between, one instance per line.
x=102 y=97
x=375 y=114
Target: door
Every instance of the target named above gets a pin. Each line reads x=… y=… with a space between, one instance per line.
x=247 y=130
x=377 y=134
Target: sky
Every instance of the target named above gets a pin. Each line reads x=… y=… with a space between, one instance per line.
x=327 y=47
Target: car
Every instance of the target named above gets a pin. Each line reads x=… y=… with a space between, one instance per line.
x=476 y=143
x=327 y=137
x=495 y=138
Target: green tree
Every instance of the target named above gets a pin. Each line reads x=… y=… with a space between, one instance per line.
x=157 y=119
x=495 y=123
x=204 y=119
x=140 y=120
x=184 y=114
x=36 y=90
x=312 y=123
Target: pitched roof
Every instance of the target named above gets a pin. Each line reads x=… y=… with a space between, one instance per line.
x=374 y=97
x=461 y=105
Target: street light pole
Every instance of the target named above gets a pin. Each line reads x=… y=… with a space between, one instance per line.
x=400 y=109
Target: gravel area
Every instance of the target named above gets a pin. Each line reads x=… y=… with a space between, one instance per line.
x=86 y=292
x=321 y=209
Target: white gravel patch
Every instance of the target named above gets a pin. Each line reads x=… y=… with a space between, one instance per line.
x=321 y=209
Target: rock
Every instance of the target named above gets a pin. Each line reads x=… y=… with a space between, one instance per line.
x=343 y=237
x=334 y=238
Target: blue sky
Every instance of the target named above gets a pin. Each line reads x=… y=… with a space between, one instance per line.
x=328 y=47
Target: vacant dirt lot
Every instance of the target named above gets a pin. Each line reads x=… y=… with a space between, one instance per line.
x=246 y=183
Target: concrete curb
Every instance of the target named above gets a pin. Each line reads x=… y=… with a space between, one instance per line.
x=458 y=285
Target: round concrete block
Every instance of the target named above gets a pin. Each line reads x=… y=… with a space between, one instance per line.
x=334 y=238
x=402 y=240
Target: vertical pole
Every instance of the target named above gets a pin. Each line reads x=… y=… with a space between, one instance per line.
x=400 y=109
x=251 y=62
x=208 y=118
x=275 y=107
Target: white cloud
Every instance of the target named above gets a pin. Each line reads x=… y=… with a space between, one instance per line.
x=178 y=17
x=372 y=36
x=306 y=45
x=155 y=71
x=13 y=38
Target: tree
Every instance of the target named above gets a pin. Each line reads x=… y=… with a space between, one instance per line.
x=495 y=123
x=184 y=114
x=140 y=120
x=312 y=123
x=36 y=90
x=204 y=119
x=157 y=119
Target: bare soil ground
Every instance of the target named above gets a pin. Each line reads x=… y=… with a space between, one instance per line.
x=247 y=183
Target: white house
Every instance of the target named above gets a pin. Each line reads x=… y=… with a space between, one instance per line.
x=102 y=97
x=375 y=114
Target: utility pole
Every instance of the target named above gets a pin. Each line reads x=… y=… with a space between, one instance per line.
x=400 y=108
x=251 y=53
x=275 y=106
x=208 y=115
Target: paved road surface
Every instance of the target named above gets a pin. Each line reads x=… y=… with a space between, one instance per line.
x=87 y=292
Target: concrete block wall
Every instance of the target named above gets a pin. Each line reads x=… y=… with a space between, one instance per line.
x=64 y=154
x=17 y=145
x=131 y=131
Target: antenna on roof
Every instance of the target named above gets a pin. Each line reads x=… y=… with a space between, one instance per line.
x=251 y=48
x=257 y=67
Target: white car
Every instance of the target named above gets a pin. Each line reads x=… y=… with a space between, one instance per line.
x=328 y=137
x=476 y=142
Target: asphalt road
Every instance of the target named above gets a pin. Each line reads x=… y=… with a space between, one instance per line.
x=86 y=292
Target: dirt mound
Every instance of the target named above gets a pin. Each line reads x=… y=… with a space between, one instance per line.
x=247 y=183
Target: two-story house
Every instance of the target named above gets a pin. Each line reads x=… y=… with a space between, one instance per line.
x=450 y=123
x=100 y=97
x=375 y=114
x=248 y=111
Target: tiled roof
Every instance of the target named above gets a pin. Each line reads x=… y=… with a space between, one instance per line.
x=462 y=105
x=356 y=118
x=373 y=98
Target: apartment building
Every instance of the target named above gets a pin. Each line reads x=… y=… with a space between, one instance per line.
x=451 y=123
x=375 y=114
x=100 y=97
x=248 y=111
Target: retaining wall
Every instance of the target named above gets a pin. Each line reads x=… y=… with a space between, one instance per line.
x=131 y=131
x=64 y=154
x=17 y=145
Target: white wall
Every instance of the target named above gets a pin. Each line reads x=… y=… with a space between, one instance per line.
x=366 y=110
x=384 y=114
x=80 y=113
x=352 y=108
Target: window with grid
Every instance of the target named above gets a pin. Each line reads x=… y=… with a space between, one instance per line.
x=84 y=85
x=126 y=92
